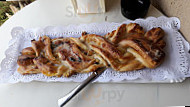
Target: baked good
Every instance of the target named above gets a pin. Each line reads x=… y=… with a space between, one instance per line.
x=125 y=49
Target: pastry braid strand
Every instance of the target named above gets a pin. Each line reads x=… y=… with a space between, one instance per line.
x=125 y=49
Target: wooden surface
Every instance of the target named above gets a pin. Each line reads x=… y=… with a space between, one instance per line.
x=177 y=8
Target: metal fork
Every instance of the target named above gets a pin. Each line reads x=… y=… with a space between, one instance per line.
x=75 y=91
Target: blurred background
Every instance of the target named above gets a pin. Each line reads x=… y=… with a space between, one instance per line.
x=176 y=8
x=9 y=8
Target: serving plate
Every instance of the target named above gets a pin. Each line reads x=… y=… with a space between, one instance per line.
x=174 y=69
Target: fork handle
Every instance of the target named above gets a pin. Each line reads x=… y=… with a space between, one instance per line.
x=75 y=91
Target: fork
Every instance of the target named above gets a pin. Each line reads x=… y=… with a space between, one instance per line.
x=64 y=100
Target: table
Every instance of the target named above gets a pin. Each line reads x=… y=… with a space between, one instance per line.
x=43 y=13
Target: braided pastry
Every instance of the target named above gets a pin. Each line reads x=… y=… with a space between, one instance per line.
x=125 y=49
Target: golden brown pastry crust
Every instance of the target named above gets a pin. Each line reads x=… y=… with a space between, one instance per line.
x=125 y=49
